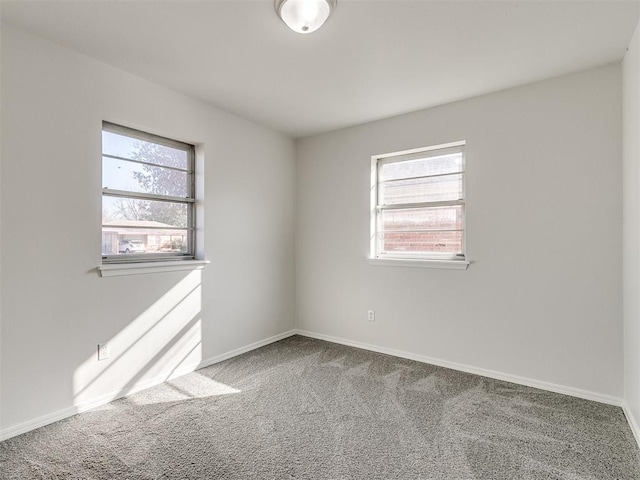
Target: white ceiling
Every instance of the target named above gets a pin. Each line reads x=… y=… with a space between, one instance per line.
x=372 y=59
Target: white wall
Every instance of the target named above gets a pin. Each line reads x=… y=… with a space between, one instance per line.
x=631 y=230
x=542 y=299
x=1 y=150
x=55 y=307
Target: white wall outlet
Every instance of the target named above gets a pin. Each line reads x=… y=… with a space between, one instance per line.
x=103 y=351
x=372 y=315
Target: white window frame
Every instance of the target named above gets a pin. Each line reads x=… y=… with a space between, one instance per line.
x=189 y=200
x=441 y=260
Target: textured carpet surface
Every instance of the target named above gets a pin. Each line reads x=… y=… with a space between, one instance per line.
x=307 y=409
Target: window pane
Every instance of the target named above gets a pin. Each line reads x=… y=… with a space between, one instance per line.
x=430 y=189
x=135 y=149
x=450 y=163
x=432 y=218
x=133 y=212
x=127 y=241
x=136 y=177
x=422 y=242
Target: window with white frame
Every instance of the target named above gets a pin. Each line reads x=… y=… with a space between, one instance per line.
x=417 y=204
x=148 y=197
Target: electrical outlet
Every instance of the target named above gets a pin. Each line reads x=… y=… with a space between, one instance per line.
x=372 y=315
x=103 y=351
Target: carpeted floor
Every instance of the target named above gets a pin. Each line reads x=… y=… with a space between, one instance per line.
x=307 y=409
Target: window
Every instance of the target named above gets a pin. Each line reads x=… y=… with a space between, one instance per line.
x=148 y=197
x=417 y=204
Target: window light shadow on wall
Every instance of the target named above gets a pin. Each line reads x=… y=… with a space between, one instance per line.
x=164 y=341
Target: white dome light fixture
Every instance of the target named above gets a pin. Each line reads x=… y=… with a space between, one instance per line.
x=304 y=16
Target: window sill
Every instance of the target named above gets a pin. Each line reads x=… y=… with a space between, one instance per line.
x=415 y=263
x=121 y=269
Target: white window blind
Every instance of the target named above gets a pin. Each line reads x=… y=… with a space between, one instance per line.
x=418 y=203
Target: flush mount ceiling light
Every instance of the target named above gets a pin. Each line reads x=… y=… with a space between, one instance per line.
x=304 y=16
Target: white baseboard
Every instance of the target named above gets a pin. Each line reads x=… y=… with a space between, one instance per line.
x=109 y=397
x=552 y=387
x=631 y=419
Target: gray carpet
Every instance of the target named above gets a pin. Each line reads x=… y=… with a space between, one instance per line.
x=307 y=409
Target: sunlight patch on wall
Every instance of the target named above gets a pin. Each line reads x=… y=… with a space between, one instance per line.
x=166 y=339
